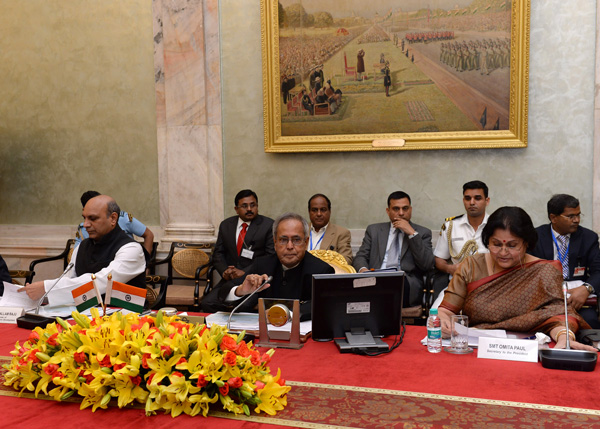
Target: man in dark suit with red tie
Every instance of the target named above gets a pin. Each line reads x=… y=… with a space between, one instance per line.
x=241 y=240
x=576 y=248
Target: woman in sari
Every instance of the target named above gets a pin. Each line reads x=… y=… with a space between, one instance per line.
x=508 y=288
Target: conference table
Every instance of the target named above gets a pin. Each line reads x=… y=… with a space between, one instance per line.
x=408 y=385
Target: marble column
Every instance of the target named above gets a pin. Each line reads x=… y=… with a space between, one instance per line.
x=188 y=114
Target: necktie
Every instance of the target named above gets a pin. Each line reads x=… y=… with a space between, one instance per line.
x=394 y=252
x=240 y=242
x=564 y=253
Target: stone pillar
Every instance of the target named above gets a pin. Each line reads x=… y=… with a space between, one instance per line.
x=188 y=116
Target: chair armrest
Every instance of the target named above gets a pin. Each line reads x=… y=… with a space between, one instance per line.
x=63 y=255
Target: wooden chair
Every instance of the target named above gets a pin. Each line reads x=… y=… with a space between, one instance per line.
x=188 y=265
x=17 y=275
x=337 y=261
x=349 y=71
x=156 y=291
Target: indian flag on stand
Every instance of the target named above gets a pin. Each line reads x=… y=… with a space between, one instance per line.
x=86 y=296
x=125 y=296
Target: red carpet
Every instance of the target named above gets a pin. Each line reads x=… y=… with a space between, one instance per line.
x=314 y=405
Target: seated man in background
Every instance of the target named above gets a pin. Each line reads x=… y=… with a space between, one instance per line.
x=108 y=250
x=398 y=244
x=577 y=250
x=130 y=225
x=4 y=275
x=325 y=235
x=243 y=237
x=460 y=236
x=292 y=268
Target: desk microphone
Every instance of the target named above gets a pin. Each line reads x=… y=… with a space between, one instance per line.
x=31 y=320
x=568 y=359
x=270 y=278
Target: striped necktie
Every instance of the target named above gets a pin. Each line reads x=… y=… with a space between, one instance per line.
x=563 y=241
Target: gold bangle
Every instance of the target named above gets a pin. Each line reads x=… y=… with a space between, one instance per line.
x=564 y=331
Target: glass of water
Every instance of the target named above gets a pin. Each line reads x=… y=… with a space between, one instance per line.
x=459 y=337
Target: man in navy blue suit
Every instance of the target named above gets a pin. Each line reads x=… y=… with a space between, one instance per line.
x=576 y=248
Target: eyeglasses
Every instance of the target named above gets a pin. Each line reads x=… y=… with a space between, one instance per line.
x=296 y=241
x=247 y=206
x=572 y=217
x=509 y=247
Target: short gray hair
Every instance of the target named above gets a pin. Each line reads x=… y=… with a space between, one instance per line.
x=290 y=216
x=113 y=207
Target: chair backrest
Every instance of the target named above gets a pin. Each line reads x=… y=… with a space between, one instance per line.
x=337 y=261
x=65 y=255
x=185 y=258
x=155 y=299
x=25 y=275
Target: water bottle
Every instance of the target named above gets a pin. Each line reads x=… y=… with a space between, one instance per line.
x=434 y=332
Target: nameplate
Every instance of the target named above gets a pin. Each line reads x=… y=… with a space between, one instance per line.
x=508 y=349
x=10 y=314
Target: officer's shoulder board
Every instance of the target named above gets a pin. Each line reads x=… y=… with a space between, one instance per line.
x=448 y=219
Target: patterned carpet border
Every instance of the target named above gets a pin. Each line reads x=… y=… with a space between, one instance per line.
x=316 y=405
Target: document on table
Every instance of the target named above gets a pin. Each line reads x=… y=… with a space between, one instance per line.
x=12 y=298
x=249 y=322
x=474 y=335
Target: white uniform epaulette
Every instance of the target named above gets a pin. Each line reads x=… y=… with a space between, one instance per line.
x=448 y=219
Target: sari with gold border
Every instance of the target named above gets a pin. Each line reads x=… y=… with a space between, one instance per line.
x=525 y=298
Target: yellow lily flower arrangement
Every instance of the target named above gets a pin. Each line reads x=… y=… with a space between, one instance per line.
x=161 y=362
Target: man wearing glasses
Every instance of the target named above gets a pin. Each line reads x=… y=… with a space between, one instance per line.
x=291 y=267
x=576 y=248
x=242 y=238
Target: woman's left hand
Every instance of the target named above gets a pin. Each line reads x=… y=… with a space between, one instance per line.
x=562 y=343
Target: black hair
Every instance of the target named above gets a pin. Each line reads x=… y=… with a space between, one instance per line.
x=398 y=195
x=322 y=196
x=557 y=204
x=244 y=193
x=476 y=184
x=512 y=219
x=88 y=195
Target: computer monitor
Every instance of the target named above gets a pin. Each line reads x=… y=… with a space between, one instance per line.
x=354 y=308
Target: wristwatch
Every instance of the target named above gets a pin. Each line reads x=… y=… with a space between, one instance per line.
x=589 y=288
x=413 y=235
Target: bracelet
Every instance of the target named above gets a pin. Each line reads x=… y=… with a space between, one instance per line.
x=564 y=331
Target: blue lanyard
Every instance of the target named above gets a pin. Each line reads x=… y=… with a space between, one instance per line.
x=318 y=242
x=562 y=257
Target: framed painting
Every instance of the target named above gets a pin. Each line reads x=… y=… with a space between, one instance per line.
x=355 y=75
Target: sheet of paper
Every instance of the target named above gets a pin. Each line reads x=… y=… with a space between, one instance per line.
x=249 y=322
x=12 y=298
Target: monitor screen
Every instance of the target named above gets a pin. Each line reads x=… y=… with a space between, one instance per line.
x=369 y=301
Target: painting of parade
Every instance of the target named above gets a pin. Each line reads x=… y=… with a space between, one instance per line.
x=409 y=67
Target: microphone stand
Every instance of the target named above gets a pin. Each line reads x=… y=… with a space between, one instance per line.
x=31 y=320
x=568 y=359
x=270 y=278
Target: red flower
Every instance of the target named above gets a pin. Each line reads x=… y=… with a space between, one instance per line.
x=146 y=319
x=145 y=358
x=230 y=358
x=202 y=381
x=52 y=340
x=135 y=327
x=182 y=360
x=118 y=366
x=88 y=377
x=224 y=390
x=150 y=377
x=259 y=385
x=228 y=343
x=281 y=382
x=136 y=380
x=80 y=357
x=51 y=369
x=166 y=351
x=177 y=374
x=33 y=337
x=255 y=358
x=266 y=358
x=235 y=382
x=202 y=330
x=243 y=349
x=32 y=357
x=105 y=361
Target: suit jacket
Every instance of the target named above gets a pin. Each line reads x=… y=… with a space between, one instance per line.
x=416 y=255
x=4 y=275
x=259 y=238
x=337 y=238
x=583 y=252
x=295 y=283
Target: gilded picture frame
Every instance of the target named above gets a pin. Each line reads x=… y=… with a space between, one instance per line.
x=459 y=73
